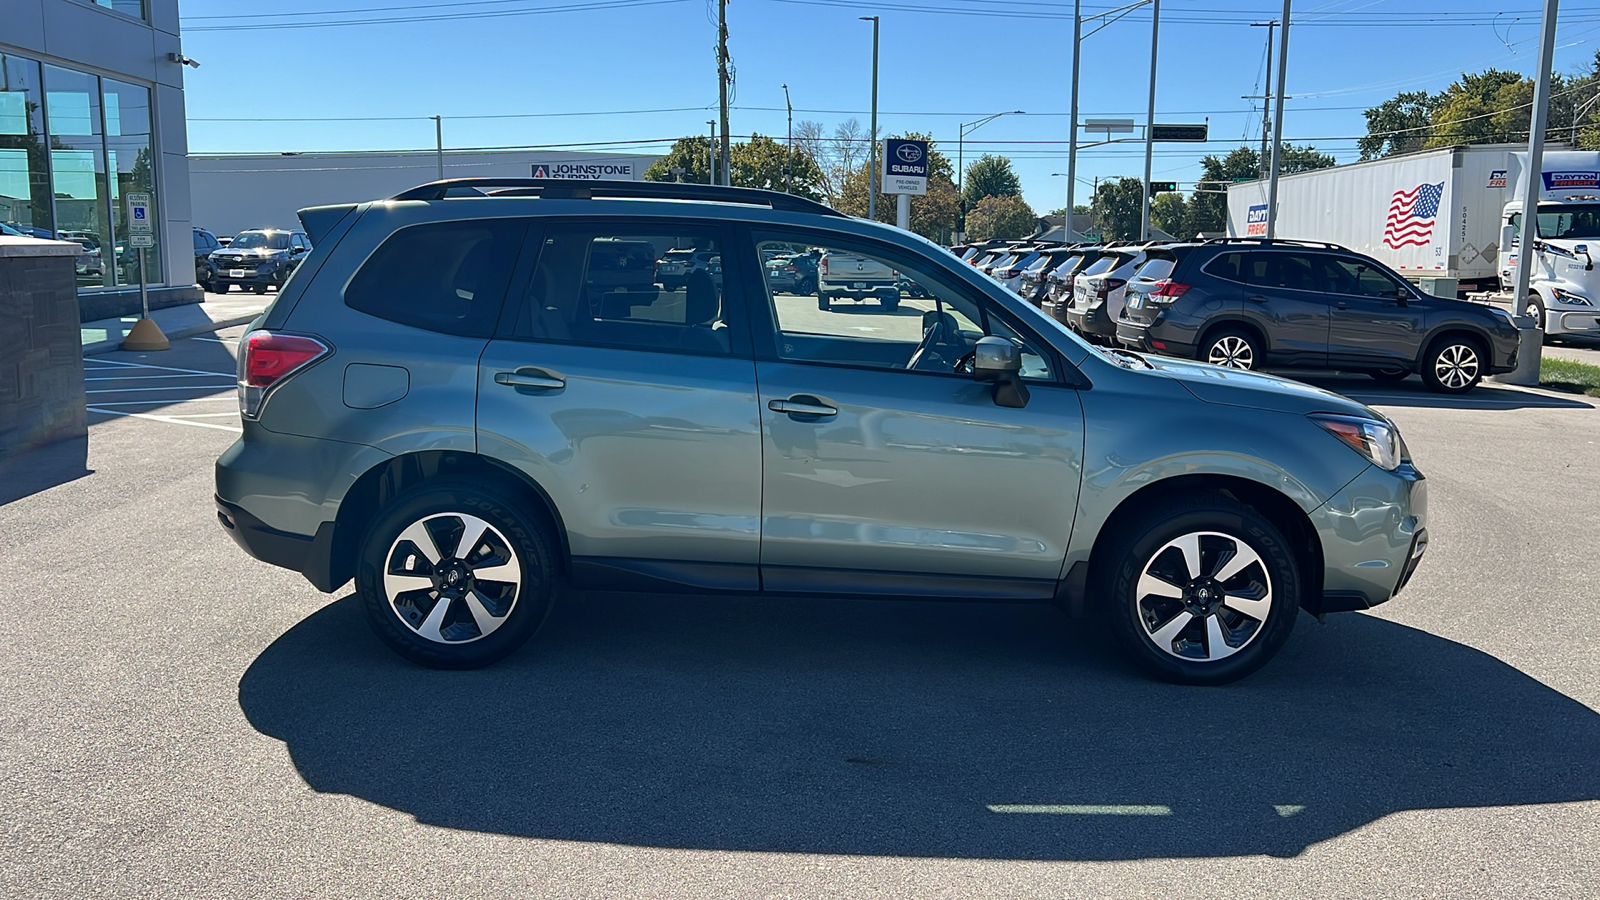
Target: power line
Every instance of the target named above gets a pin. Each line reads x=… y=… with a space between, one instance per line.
x=591 y=6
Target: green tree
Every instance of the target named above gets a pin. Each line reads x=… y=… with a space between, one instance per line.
x=1481 y=109
x=990 y=176
x=1117 y=206
x=1007 y=218
x=1168 y=211
x=758 y=163
x=1398 y=125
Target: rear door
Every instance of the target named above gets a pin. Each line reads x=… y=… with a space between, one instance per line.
x=633 y=407
x=1286 y=295
x=1375 y=319
x=887 y=471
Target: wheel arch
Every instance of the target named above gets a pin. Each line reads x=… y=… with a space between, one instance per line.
x=1278 y=508
x=386 y=480
x=1232 y=320
x=1439 y=333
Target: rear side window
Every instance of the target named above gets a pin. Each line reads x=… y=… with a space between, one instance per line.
x=656 y=288
x=1288 y=271
x=448 y=277
x=1228 y=265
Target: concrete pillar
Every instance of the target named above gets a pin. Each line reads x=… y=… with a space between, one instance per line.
x=41 y=350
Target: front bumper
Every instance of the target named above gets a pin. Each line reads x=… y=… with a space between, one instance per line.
x=1572 y=321
x=1373 y=534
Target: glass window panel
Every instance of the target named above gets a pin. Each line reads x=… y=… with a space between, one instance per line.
x=133 y=8
x=130 y=161
x=78 y=164
x=24 y=168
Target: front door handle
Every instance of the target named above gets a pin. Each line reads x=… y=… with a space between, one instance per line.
x=1256 y=298
x=530 y=377
x=803 y=405
x=1341 y=305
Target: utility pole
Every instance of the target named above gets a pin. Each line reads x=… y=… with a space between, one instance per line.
x=1531 y=175
x=1277 y=125
x=872 y=173
x=722 y=84
x=438 y=140
x=1266 y=115
x=1072 y=139
x=713 y=151
x=1150 y=122
x=788 y=157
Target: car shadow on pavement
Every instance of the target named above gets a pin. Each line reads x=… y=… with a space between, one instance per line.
x=27 y=472
x=911 y=729
x=1412 y=392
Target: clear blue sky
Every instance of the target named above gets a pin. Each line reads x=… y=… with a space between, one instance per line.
x=942 y=62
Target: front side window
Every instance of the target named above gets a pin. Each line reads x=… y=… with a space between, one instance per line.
x=1360 y=278
x=448 y=277
x=646 y=288
x=873 y=311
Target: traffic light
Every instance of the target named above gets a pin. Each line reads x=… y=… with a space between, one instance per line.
x=1190 y=133
x=1163 y=187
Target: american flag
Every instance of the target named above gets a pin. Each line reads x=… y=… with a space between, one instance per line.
x=1411 y=215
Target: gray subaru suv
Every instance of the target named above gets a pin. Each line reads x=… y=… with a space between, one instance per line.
x=454 y=405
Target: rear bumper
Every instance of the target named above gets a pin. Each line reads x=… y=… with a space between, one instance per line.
x=1094 y=320
x=1373 y=535
x=310 y=555
x=1138 y=336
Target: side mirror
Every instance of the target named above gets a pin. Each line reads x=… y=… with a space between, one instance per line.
x=1508 y=237
x=998 y=361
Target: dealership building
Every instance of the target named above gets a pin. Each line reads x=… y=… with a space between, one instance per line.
x=232 y=192
x=91 y=109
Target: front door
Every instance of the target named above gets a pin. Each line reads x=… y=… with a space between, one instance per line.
x=887 y=471
x=1376 y=319
x=632 y=404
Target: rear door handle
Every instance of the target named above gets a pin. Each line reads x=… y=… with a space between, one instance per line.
x=530 y=377
x=803 y=405
x=1256 y=298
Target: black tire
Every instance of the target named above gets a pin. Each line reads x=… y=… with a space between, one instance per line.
x=1536 y=309
x=259 y=288
x=1390 y=376
x=891 y=302
x=401 y=621
x=823 y=300
x=809 y=286
x=1136 y=621
x=1454 y=364
x=1236 y=348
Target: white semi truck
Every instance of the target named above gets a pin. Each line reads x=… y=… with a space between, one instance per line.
x=1444 y=219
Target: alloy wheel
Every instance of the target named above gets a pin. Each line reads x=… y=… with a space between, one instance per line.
x=1456 y=366
x=1203 y=596
x=452 y=578
x=1232 y=351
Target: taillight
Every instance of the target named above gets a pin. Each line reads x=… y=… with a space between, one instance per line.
x=1112 y=284
x=790 y=269
x=266 y=360
x=1169 y=289
x=1012 y=273
x=822 y=267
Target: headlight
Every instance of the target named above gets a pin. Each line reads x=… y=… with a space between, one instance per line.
x=1378 y=441
x=1570 y=298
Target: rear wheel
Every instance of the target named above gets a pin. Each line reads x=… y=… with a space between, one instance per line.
x=1390 y=376
x=890 y=301
x=259 y=288
x=1202 y=590
x=1234 y=348
x=1454 y=365
x=823 y=300
x=452 y=576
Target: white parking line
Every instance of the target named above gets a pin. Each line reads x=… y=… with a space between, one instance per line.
x=169 y=419
x=219 y=340
x=138 y=377
x=145 y=390
x=129 y=365
x=165 y=402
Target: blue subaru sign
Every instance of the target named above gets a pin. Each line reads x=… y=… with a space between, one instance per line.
x=905 y=166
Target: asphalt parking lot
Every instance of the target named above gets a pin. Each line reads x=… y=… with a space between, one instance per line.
x=180 y=719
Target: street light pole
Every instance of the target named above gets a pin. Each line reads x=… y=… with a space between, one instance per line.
x=713 y=159
x=438 y=142
x=1150 y=120
x=872 y=174
x=1530 y=345
x=961 y=169
x=788 y=158
x=1072 y=139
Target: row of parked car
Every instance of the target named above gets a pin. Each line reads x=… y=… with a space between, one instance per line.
x=1249 y=303
x=254 y=259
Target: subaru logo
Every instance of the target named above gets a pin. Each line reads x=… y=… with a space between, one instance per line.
x=908 y=153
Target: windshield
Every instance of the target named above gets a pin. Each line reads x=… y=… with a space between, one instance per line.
x=1570 y=221
x=261 y=240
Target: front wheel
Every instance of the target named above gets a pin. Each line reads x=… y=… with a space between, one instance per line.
x=1203 y=590
x=453 y=576
x=1454 y=365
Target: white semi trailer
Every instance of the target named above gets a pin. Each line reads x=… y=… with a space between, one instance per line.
x=1444 y=219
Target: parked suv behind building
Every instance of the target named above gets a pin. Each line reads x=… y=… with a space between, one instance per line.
x=259 y=258
x=453 y=407
x=1252 y=303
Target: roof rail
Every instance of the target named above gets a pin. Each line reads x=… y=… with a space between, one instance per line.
x=566 y=189
x=1261 y=240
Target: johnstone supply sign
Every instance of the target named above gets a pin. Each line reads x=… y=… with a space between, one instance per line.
x=905 y=167
x=614 y=171
x=1256 y=221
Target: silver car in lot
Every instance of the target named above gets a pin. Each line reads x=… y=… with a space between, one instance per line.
x=446 y=407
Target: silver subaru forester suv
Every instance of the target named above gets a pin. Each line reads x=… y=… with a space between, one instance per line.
x=481 y=392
